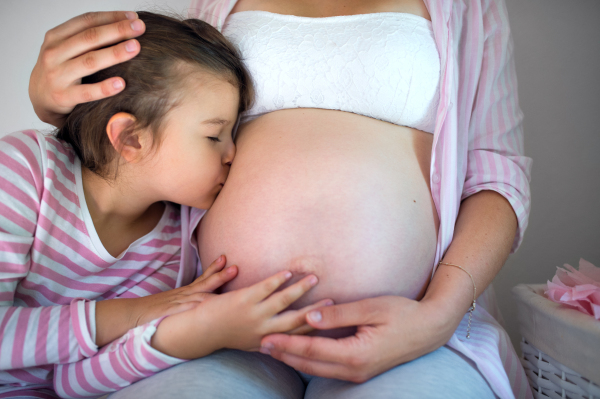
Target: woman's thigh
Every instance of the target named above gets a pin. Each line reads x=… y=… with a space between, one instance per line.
x=224 y=374
x=443 y=373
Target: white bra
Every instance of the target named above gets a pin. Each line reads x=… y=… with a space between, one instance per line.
x=384 y=65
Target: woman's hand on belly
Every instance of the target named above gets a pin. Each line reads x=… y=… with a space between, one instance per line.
x=391 y=330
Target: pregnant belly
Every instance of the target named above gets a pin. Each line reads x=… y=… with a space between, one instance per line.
x=339 y=195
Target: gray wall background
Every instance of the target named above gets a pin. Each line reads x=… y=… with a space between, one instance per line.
x=557 y=52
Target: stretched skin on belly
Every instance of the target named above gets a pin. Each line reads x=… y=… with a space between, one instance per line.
x=339 y=195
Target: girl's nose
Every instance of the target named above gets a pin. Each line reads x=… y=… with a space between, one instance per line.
x=229 y=154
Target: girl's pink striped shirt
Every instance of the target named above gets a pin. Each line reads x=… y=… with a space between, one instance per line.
x=53 y=268
x=478 y=145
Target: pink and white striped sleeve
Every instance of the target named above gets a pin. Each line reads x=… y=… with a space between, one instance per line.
x=31 y=336
x=495 y=155
x=117 y=365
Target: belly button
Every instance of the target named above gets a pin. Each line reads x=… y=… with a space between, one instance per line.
x=305 y=265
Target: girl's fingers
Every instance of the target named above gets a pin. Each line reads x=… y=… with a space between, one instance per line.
x=294 y=321
x=216 y=280
x=196 y=297
x=217 y=265
x=95 y=61
x=86 y=21
x=182 y=307
x=97 y=37
x=263 y=289
x=302 y=330
x=281 y=300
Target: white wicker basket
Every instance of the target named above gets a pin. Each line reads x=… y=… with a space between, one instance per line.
x=551 y=379
x=552 y=331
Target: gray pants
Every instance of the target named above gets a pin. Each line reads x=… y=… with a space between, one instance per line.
x=443 y=373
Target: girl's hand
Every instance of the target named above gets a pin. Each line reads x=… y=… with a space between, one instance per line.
x=114 y=317
x=73 y=50
x=180 y=299
x=237 y=319
x=390 y=330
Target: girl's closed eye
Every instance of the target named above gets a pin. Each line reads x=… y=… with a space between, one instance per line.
x=215 y=139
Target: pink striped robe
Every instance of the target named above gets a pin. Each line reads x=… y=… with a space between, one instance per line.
x=53 y=268
x=478 y=145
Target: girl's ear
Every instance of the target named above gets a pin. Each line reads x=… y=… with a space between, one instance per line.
x=129 y=146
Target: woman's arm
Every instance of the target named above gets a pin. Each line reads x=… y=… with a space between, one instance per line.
x=483 y=237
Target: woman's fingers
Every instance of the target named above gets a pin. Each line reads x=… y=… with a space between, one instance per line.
x=294 y=321
x=77 y=94
x=88 y=64
x=86 y=21
x=281 y=300
x=322 y=349
x=364 y=312
x=97 y=37
x=95 y=61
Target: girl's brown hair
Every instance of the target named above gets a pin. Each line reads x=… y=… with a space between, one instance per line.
x=170 y=50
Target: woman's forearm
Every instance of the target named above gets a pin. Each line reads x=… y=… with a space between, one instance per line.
x=483 y=236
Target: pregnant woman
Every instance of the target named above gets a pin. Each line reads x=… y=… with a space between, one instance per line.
x=384 y=154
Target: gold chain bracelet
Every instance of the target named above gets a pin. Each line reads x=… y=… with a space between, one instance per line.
x=474 y=295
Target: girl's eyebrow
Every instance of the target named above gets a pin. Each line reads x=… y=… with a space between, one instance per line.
x=215 y=121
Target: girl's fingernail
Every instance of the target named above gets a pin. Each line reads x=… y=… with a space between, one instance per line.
x=131 y=15
x=137 y=25
x=315 y=316
x=230 y=270
x=287 y=275
x=117 y=84
x=313 y=280
x=268 y=346
x=220 y=259
x=130 y=46
x=328 y=303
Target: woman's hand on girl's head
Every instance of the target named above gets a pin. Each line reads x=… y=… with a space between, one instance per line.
x=390 y=330
x=71 y=51
x=237 y=319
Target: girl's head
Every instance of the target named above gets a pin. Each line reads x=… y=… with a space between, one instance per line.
x=173 y=121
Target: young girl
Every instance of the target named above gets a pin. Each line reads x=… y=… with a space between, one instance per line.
x=91 y=238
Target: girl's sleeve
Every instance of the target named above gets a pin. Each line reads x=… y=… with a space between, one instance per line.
x=496 y=158
x=117 y=365
x=34 y=335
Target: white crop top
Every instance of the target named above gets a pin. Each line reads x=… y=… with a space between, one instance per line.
x=383 y=65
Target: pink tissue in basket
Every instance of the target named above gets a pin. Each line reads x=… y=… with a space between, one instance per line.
x=577 y=288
